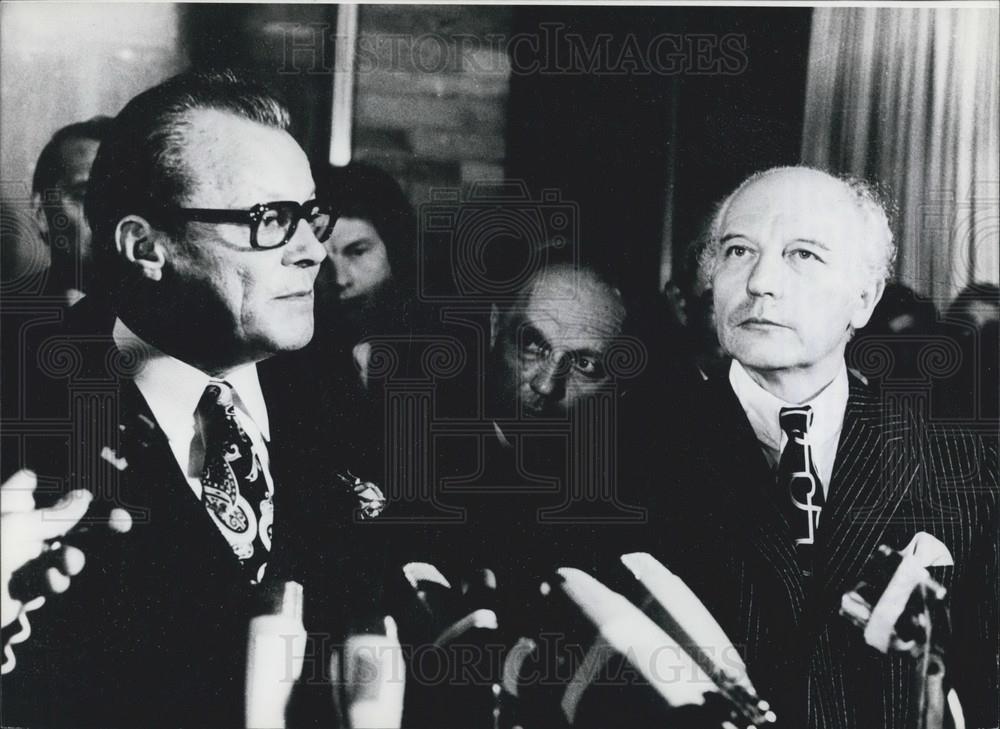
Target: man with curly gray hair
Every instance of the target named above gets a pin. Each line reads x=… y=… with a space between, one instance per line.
x=803 y=470
x=833 y=290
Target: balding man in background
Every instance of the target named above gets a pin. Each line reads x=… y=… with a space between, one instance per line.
x=784 y=478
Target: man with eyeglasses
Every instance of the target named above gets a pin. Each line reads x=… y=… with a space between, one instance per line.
x=207 y=240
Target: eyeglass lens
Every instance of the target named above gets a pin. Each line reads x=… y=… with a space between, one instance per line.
x=276 y=222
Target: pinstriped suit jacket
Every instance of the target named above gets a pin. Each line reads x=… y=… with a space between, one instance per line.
x=894 y=475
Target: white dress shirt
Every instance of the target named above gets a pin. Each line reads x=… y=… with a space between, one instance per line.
x=763 y=408
x=173 y=388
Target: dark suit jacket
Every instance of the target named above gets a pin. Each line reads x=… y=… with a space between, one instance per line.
x=894 y=475
x=153 y=632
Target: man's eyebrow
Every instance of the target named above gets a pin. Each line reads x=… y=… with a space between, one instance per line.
x=812 y=242
x=530 y=331
x=358 y=243
x=730 y=236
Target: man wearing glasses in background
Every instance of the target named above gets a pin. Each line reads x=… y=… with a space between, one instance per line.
x=207 y=241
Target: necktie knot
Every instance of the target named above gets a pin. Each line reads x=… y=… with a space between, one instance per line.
x=217 y=413
x=218 y=395
x=795 y=421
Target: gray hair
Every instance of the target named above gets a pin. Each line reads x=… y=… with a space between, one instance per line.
x=140 y=165
x=871 y=205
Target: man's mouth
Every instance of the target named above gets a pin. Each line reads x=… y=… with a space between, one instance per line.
x=760 y=321
x=297 y=295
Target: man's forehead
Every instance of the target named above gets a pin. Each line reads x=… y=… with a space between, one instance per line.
x=574 y=305
x=237 y=162
x=815 y=204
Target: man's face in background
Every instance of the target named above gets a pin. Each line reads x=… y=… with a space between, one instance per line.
x=64 y=226
x=549 y=351
x=356 y=276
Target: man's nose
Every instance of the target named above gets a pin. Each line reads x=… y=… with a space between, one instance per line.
x=547 y=380
x=766 y=277
x=304 y=249
x=343 y=275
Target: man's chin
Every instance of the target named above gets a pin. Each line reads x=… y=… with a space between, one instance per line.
x=290 y=340
x=753 y=352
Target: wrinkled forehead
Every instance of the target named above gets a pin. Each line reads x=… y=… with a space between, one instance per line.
x=236 y=163
x=795 y=204
x=574 y=307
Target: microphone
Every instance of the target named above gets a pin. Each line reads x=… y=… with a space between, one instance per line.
x=373 y=679
x=887 y=606
x=902 y=609
x=479 y=590
x=450 y=624
x=275 y=653
x=617 y=665
x=622 y=627
x=676 y=608
x=450 y=613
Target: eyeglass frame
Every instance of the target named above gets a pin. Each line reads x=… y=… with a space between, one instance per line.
x=253 y=217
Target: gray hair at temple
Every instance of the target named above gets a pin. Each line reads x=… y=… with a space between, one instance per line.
x=880 y=251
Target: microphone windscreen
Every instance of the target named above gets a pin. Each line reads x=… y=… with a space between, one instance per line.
x=373 y=679
x=685 y=618
x=626 y=630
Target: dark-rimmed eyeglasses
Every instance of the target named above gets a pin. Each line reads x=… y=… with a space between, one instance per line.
x=272 y=224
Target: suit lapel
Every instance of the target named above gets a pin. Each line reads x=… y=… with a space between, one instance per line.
x=169 y=519
x=158 y=483
x=747 y=482
x=871 y=476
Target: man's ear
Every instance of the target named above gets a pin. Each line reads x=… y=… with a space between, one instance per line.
x=38 y=211
x=870 y=296
x=494 y=325
x=139 y=243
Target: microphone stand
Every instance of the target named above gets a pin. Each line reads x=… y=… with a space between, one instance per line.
x=921 y=629
x=936 y=703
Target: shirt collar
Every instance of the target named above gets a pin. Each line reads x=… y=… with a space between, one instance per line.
x=172 y=388
x=763 y=408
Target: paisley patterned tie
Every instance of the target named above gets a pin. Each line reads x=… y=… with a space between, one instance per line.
x=798 y=477
x=234 y=488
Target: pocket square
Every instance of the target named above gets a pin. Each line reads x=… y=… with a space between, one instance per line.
x=928 y=551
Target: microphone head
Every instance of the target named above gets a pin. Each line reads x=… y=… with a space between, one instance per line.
x=598 y=661
x=449 y=624
x=673 y=605
x=372 y=673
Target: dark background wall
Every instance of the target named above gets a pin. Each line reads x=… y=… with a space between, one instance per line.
x=721 y=100
x=561 y=97
x=269 y=39
x=641 y=117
